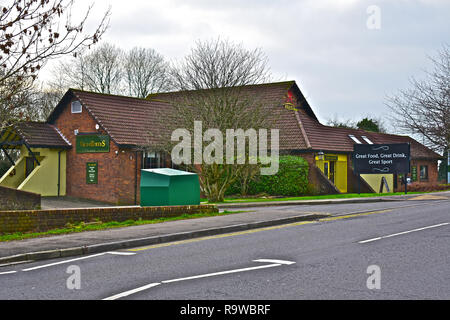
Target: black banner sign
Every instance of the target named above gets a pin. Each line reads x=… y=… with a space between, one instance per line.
x=381 y=158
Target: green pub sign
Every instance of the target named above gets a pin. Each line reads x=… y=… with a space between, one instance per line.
x=414 y=173
x=92 y=172
x=331 y=158
x=92 y=143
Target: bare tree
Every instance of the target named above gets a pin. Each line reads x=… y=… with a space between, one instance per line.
x=31 y=33
x=43 y=102
x=220 y=73
x=146 y=72
x=103 y=70
x=424 y=109
x=100 y=70
x=220 y=64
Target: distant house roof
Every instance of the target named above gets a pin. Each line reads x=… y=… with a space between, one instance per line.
x=34 y=134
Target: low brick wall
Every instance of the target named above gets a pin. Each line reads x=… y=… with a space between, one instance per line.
x=12 y=199
x=44 y=220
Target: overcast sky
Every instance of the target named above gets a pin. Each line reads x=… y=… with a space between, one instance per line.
x=344 y=68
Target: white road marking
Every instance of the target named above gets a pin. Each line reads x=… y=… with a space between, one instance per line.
x=221 y=273
x=130 y=292
x=8 y=272
x=121 y=253
x=77 y=259
x=275 y=261
x=151 y=285
x=405 y=232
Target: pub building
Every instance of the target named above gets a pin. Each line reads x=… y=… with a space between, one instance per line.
x=94 y=145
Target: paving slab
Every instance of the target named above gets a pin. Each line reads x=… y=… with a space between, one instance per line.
x=70 y=203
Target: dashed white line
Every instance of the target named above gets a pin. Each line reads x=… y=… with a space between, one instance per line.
x=130 y=292
x=404 y=232
x=7 y=272
x=77 y=259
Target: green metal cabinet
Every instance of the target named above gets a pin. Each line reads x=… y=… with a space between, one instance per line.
x=169 y=187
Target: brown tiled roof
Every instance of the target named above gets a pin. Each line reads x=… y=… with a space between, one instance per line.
x=328 y=138
x=129 y=121
x=272 y=96
x=39 y=134
x=418 y=150
x=141 y=122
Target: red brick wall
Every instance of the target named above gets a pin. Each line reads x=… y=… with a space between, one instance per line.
x=432 y=174
x=43 y=220
x=432 y=171
x=125 y=176
x=116 y=173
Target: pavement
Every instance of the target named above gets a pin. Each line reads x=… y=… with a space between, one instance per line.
x=70 y=202
x=257 y=215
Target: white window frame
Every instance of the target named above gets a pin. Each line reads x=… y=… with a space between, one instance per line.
x=354 y=138
x=367 y=140
x=72 y=107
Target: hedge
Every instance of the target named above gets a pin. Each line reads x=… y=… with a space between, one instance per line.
x=291 y=180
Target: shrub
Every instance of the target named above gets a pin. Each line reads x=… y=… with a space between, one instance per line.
x=291 y=180
x=418 y=187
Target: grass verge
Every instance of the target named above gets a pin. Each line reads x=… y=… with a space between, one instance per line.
x=81 y=227
x=324 y=197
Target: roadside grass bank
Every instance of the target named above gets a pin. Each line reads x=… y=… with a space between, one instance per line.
x=323 y=197
x=98 y=225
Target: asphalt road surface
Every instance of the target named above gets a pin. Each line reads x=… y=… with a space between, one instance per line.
x=395 y=250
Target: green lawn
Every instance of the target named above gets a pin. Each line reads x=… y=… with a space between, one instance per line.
x=81 y=227
x=331 y=196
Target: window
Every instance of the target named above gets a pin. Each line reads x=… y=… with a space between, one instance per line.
x=76 y=107
x=423 y=172
x=367 y=140
x=354 y=139
x=153 y=160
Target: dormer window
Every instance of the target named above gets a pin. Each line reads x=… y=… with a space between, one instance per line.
x=354 y=139
x=76 y=107
x=367 y=140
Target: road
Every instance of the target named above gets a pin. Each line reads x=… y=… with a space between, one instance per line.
x=396 y=250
